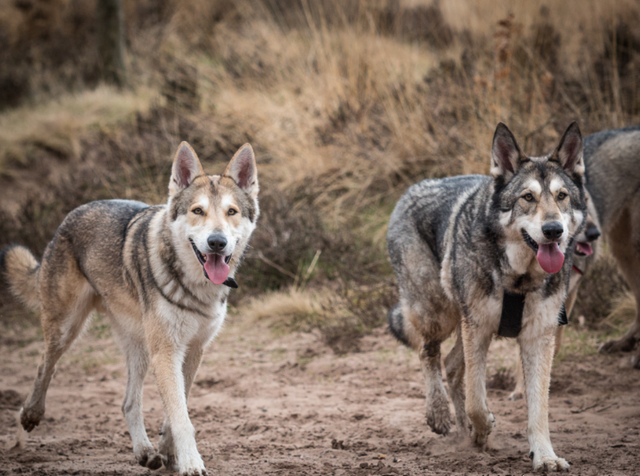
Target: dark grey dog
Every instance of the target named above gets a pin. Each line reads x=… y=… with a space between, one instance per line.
x=459 y=246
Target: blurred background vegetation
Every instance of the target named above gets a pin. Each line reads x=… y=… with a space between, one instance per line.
x=346 y=102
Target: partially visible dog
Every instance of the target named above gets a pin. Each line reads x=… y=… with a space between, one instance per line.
x=461 y=246
x=161 y=274
x=584 y=255
x=612 y=161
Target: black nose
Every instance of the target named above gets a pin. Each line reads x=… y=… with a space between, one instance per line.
x=216 y=242
x=552 y=230
x=592 y=233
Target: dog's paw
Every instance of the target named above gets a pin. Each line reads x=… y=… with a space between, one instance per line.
x=30 y=417
x=439 y=419
x=170 y=462
x=620 y=345
x=550 y=464
x=194 y=472
x=167 y=451
x=149 y=458
x=481 y=429
x=191 y=465
x=516 y=395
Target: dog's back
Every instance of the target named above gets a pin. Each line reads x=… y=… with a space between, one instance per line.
x=612 y=161
x=426 y=208
x=88 y=244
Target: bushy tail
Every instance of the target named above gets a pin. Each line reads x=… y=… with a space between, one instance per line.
x=396 y=325
x=19 y=268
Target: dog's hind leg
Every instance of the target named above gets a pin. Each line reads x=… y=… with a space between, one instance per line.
x=189 y=368
x=624 y=240
x=454 y=365
x=67 y=302
x=137 y=366
x=476 y=340
x=438 y=413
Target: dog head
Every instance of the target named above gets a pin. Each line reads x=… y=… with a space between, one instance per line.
x=541 y=199
x=213 y=216
x=586 y=246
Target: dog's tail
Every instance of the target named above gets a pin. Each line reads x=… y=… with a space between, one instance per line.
x=396 y=325
x=19 y=268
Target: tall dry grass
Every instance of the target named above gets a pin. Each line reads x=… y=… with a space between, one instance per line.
x=347 y=103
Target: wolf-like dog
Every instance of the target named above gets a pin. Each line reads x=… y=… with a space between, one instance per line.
x=458 y=246
x=612 y=161
x=585 y=254
x=162 y=276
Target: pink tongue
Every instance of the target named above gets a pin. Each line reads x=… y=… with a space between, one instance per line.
x=585 y=248
x=216 y=268
x=550 y=257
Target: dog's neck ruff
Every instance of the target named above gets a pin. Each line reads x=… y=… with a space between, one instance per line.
x=512 y=312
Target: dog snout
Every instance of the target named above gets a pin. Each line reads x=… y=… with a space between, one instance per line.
x=552 y=230
x=592 y=233
x=217 y=242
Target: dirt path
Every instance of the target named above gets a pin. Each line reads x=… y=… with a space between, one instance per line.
x=287 y=405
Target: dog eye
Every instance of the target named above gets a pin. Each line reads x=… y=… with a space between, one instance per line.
x=528 y=197
x=232 y=211
x=197 y=211
x=562 y=196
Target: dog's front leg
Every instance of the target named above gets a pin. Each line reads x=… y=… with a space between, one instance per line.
x=167 y=361
x=192 y=360
x=537 y=358
x=476 y=341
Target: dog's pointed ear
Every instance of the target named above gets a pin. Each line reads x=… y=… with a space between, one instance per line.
x=186 y=167
x=569 y=151
x=243 y=170
x=505 y=153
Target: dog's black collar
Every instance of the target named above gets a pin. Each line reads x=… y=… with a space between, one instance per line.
x=229 y=282
x=512 y=311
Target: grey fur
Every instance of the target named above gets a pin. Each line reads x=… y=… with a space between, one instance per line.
x=447 y=242
x=612 y=160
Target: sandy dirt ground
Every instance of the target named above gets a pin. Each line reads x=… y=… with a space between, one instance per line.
x=287 y=405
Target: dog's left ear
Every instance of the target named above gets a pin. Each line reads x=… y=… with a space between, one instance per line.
x=569 y=151
x=243 y=170
x=505 y=153
x=186 y=167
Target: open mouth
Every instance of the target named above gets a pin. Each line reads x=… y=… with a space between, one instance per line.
x=583 y=249
x=549 y=255
x=530 y=241
x=215 y=266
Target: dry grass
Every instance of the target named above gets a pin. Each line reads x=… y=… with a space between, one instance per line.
x=623 y=313
x=59 y=124
x=291 y=309
x=347 y=103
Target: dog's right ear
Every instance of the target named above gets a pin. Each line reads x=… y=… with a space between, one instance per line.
x=243 y=170
x=505 y=153
x=186 y=167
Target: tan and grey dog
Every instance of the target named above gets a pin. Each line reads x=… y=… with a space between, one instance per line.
x=161 y=274
x=586 y=253
x=459 y=247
